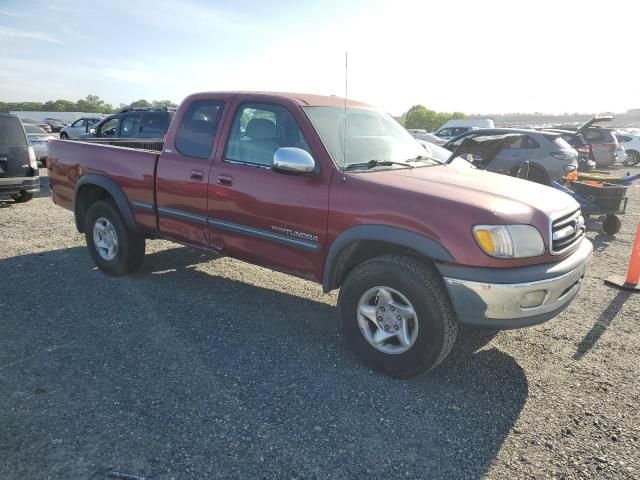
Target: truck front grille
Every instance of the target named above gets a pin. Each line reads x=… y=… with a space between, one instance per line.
x=566 y=232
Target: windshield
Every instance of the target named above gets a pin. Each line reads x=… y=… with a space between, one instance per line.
x=370 y=135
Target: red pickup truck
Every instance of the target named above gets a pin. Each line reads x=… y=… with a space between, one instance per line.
x=344 y=196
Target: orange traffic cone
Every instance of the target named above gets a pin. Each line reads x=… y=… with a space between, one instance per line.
x=630 y=282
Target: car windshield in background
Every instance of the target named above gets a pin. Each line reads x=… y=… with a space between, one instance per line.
x=370 y=135
x=11 y=132
x=436 y=152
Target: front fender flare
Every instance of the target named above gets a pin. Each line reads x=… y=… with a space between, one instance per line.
x=398 y=236
x=114 y=191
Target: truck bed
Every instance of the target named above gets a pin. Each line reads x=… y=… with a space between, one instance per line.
x=132 y=169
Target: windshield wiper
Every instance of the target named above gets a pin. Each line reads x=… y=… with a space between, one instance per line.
x=423 y=158
x=376 y=163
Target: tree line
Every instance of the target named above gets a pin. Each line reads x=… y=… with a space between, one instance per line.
x=92 y=103
x=419 y=116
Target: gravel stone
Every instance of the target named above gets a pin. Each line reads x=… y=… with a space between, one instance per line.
x=205 y=367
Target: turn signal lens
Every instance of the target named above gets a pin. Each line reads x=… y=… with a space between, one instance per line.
x=485 y=240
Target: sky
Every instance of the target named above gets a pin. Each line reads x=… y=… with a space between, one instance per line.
x=473 y=56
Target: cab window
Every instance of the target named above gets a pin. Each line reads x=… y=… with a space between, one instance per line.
x=258 y=130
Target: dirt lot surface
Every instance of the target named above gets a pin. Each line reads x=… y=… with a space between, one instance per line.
x=204 y=367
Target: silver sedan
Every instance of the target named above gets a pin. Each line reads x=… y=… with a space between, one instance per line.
x=80 y=128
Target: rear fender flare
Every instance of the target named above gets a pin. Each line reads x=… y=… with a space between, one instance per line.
x=397 y=236
x=114 y=191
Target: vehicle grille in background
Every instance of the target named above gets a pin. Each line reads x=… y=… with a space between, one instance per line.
x=154 y=144
x=566 y=232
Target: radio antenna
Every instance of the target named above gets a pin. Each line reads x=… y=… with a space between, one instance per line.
x=346 y=91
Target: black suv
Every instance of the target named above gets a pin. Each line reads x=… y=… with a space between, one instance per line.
x=18 y=167
x=135 y=123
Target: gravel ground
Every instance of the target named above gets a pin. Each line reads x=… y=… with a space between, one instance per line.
x=204 y=367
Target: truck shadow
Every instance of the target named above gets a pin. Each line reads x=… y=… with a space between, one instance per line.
x=232 y=373
x=602 y=324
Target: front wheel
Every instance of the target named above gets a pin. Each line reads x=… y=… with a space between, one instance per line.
x=114 y=248
x=64 y=136
x=396 y=315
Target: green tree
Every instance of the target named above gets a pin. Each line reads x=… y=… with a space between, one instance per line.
x=164 y=103
x=142 y=103
x=419 y=116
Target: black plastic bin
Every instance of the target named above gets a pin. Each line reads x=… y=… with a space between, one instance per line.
x=607 y=197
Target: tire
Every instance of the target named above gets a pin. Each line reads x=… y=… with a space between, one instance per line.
x=22 y=197
x=632 y=158
x=611 y=224
x=64 y=136
x=432 y=330
x=104 y=224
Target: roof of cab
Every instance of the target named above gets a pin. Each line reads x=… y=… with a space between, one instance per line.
x=303 y=99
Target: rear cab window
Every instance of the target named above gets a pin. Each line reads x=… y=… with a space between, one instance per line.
x=11 y=131
x=198 y=127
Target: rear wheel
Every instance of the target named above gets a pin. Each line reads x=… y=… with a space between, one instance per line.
x=22 y=197
x=538 y=175
x=631 y=158
x=611 y=224
x=114 y=248
x=396 y=315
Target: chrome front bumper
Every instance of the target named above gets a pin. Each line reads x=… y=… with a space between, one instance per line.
x=507 y=305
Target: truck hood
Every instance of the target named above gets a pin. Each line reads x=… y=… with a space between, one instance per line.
x=507 y=197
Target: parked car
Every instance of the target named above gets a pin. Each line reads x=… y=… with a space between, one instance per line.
x=453 y=128
x=548 y=154
x=18 y=165
x=135 y=123
x=425 y=136
x=344 y=197
x=631 y=142
x=45 y=126
x=39 y=140
x=585 y=156
x=56 y=124
x=604 y=145
x=80 y=128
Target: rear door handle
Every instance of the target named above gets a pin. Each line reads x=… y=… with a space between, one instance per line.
x=197 y=175
x=225 y=180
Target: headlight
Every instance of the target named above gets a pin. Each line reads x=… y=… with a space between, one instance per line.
x=509 y=241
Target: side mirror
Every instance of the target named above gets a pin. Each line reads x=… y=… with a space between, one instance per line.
x=293 y=160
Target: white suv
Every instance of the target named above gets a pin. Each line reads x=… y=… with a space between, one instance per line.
x=631 y=142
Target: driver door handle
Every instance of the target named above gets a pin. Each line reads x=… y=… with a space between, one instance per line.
x=225 y=180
